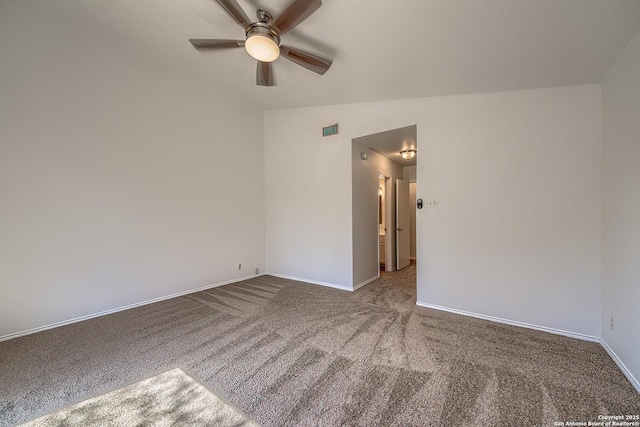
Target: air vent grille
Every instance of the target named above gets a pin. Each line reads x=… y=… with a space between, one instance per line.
x=330 y=130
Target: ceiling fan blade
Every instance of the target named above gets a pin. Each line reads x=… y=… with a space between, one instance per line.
x=233 y=8
x=308 y=60
x=293 y=15
x=216 y=43
x=264 y=74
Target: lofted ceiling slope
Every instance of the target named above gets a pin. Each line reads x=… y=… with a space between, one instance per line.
x=383 y=50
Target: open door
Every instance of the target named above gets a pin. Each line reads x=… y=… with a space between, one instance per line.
x=403 y=224
x=390 y=219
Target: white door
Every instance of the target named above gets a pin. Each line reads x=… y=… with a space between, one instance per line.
x=403 y=235
x=390 y=219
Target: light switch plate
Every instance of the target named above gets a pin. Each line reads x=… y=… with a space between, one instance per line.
x=431 y=204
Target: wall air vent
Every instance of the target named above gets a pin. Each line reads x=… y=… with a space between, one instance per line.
x=330 y=130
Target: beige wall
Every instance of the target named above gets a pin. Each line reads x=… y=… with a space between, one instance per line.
x=120 y=181
x=517 y=176
x=621 y=209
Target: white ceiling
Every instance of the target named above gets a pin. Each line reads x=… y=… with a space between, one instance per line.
x=383 y=49
x=389 y=144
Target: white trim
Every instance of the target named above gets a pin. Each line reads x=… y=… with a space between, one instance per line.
x=313 y=282
x=366 y=282
x=126 y=307
x=627 y=373
x=512 y=322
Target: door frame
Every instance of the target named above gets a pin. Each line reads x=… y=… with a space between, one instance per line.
x=403 y=223
x=389 y=203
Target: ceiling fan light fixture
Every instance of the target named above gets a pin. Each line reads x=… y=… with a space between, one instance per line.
x=262 y=38
x=408 y=154
x=262 y=43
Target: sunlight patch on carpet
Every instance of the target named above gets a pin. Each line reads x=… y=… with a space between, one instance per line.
x=169 y=399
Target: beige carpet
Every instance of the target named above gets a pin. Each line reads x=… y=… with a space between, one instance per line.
x=169 y=399
x=291 y=353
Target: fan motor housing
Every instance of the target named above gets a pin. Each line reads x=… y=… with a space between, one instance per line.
x=264 y=16
x=265 y=30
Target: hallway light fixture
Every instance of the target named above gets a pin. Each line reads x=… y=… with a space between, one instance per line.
x=408 y=154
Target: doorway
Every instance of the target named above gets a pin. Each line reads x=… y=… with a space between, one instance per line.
x=382 y=184
x=386 y=224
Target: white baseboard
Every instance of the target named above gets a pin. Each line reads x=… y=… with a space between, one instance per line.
x=512 y=322
x=627 y=373
x=313 y=282
x=366 y=282
x=126 y=307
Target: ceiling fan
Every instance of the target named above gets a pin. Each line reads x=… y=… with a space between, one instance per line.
x=262 y=40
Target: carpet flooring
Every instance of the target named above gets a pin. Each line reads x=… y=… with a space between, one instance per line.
x=290 y=353
x=169 y=399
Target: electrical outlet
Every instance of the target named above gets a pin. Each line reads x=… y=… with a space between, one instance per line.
x=257 y=270
x=239 y=266
x=612 y=327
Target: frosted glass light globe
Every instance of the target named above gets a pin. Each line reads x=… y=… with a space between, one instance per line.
x=262 y=48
